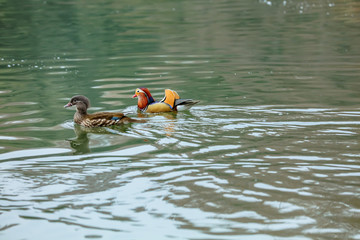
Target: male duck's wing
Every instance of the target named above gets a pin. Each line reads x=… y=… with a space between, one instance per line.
x=170 y=97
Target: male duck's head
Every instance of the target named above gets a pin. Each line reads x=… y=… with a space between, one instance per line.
x=144 y=97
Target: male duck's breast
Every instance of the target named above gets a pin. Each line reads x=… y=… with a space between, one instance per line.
x=158 y=107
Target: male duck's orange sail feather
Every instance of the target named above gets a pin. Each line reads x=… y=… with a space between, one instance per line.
x=170 y=97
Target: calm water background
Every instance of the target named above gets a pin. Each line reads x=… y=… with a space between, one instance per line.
x=271 y=152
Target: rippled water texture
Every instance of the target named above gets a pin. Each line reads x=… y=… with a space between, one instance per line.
x=271 y=151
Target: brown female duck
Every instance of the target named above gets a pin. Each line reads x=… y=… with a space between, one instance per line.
x=99 y=119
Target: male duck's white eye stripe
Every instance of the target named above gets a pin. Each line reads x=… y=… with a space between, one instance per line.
x=140 y=91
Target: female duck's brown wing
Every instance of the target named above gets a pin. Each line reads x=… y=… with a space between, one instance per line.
x=105 y=119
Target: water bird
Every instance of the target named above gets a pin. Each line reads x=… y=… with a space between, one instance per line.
x=98 y=119
x=171 y=101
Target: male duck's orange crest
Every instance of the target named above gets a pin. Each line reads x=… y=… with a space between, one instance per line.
x=148 y=94
x=144 y=97
x=142 y=100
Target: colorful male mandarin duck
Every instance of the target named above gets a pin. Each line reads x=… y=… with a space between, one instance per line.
x=99 y=119
x=170 y=102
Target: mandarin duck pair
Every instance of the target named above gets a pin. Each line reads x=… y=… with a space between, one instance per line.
x=146 y=104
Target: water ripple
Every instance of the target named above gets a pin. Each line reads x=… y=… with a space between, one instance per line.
x=219 y=179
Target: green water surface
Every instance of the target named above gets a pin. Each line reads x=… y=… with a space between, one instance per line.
x=270 y=152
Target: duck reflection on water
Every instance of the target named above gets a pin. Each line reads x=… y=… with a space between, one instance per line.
x=81 y=143
x=168 y=125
